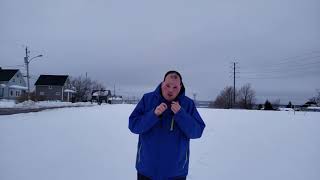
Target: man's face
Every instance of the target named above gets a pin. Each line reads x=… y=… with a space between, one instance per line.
x=171 y=87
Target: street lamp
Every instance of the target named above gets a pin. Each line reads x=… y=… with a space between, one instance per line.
x=27 y=61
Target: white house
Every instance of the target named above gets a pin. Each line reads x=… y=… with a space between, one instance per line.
x=12 y=84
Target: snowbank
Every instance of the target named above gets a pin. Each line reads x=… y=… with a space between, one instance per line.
x=40 y=104
x=5 y=103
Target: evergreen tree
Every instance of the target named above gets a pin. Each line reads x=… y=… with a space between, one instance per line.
x=289 y=105
x=268 y=105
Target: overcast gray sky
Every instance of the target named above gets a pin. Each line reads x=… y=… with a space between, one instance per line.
x=276 y=43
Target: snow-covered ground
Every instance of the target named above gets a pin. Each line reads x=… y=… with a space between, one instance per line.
x=40 y=104
x=95 y=143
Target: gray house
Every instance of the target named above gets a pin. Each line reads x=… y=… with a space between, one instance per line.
x=12 y=84
x=53 y=87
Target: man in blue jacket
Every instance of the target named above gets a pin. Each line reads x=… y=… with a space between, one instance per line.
x=165 y=120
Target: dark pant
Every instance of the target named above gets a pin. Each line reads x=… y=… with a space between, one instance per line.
x=142 y=177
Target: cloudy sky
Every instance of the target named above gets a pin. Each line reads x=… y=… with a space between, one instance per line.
x=131 y=44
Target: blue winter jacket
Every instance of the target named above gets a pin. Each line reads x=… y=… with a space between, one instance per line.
x=164 y=142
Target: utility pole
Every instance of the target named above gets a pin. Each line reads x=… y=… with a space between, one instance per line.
x=27 y=61
x=234 y=67
x=194 y=98
x=234 y=83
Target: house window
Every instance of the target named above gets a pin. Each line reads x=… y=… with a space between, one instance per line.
x=17 y=75
x=50 y=87
x=57 y=93
x=11 y=93
x=41 y=93
x=18 y=93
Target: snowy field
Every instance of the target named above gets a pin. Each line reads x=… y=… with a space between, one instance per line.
x=95 y=143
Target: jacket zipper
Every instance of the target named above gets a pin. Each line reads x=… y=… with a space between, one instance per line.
x=139 y=155
x=172 y=124
x=185 y=162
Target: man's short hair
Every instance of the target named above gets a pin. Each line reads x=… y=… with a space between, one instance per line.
x=175 y=73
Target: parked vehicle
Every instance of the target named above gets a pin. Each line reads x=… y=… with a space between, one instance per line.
x=101 y=96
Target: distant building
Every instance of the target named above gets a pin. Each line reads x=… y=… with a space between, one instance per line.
x=310 y=106
x=12 y=84
x=202 y=104
x=53 y=87
x=116 y=99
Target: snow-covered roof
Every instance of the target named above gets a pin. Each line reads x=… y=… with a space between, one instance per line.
x=3 y=85
x=18 y=87
x=100 y=93
x=314 y=108
x=286 y=109
x=70 y=90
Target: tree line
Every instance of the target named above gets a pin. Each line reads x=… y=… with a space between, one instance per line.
x=245 y=98
x=83 y=86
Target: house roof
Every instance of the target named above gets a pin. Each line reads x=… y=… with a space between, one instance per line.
x=7 y=74
x=53 y=80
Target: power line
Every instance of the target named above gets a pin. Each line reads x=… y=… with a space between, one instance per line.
x=281 y=66
x=14 y=66
x=285 y=70
x=304 y=68
x=277 y=76
x=290 y=60
x=298 y=60
x=297 y=64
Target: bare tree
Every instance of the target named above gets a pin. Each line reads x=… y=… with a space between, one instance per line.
x=246 y=97
x=276 y=104
x=224 y=99
x=316 y=99
x=83 y=87
x=95 y=85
